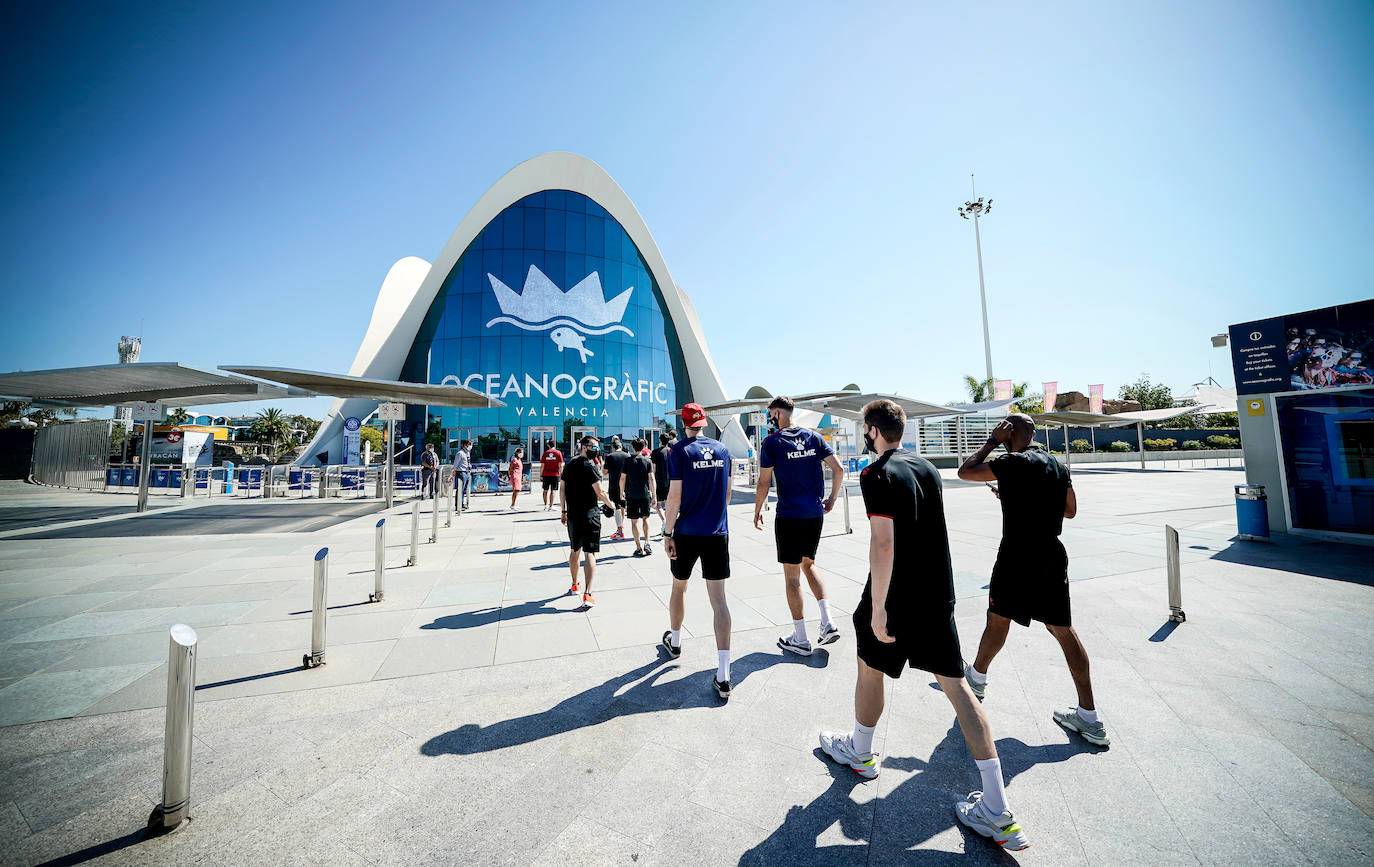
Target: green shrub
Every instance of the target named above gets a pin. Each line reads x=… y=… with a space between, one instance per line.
x=1119 y=446
x=1164 y=445
x=1192 y=445
x=1080 y=446
x=1223 y=442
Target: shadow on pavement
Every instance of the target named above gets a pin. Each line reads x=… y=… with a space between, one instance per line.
x=917 y=810
x=606 y=701
x=227 y=519
x=133 y=838
x=483 y=616
x=1164 y=631
x=1320 y=559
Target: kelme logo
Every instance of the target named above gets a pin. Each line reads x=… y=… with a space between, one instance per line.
x=567 y=316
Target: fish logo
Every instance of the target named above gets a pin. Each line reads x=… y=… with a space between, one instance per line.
x=567 y=316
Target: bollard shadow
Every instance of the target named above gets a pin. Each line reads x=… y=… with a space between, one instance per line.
x=90 y=853
x=334 y=607
x=623 y=695
x=918 y=809
x=1164 y=631
x=247 y=678
x=484 y=616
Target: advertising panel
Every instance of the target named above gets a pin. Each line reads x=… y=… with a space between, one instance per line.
x=1001 y=389
x=1051 y=395
x=1332 y=347
x=352 y=438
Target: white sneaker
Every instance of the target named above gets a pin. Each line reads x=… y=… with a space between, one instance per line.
x=829 y=634
x=1093 y=733
x=1003 y=830
x=840 y=747
x=978 y=689
x=790 y=643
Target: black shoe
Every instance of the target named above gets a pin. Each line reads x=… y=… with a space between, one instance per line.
x=674 y=652
x=722 y=689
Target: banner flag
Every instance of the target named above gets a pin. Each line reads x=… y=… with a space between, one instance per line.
x=1095 y=399
x=1051 y=395
x=1001 y=389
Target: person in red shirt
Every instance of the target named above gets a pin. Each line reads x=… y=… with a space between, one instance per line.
x=551 y=468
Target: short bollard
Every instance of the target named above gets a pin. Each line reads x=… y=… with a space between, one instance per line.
x=414 y=534
x=448 y=510
x=434 y=520
x=848 y=528
x=315 y=657
x=1175 y=575
x=175 y=810
x=379 y=565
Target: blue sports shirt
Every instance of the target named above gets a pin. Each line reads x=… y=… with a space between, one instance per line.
x=796 y=455
x=703 y=466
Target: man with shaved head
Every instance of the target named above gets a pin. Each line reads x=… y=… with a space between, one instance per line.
x=1030 y=580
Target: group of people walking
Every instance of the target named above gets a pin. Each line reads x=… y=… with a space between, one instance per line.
x=905 y=615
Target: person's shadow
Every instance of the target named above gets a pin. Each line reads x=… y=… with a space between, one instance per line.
x=915 y=811
x=622 y=695
x=483 y=616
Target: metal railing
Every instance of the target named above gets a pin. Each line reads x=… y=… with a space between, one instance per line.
x=72 y=455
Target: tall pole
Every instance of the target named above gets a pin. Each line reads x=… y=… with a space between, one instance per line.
x=973 y=211
x=390 y=462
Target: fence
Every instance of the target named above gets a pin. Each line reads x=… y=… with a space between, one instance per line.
x=72 y=455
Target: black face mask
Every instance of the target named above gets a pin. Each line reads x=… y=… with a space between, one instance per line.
x=593 y=453
x=869 y=445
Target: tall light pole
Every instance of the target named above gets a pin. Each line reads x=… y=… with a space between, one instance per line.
x=973 y=210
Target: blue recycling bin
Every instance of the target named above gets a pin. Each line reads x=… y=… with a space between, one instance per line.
x=1252 y=513
x=128 y=477
x=160 y=478
x=112 y=478
x=174 y=478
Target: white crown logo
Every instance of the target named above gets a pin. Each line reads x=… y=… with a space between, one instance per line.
x=542 y=306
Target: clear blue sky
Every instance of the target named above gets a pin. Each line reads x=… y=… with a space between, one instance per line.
x=236 y=179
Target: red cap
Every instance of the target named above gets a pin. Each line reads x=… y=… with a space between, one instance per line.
x=693 y=416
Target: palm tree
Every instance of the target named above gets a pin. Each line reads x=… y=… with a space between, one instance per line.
x=980 y=390
x=271 y=427
x=178 y=416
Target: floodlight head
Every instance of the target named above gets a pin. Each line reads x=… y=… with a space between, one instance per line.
x=1219 y=340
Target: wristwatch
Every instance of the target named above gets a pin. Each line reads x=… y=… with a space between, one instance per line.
x=667 y=534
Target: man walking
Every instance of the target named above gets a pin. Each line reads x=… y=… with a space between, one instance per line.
x=615 y=468
x=695 y=529
x=660 y=458
x=1030 y=579
x=429 y=472
x=905 y=617
x=462 y=472
x=794 y=455
x=639 y=490
x=579 y=493
x=551 y=467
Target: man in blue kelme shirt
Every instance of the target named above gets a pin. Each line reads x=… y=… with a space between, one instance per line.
x=695 y=528
x=793 y=456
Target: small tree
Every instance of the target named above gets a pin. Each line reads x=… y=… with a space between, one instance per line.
x=178 y=416
x=1149 y=395
x=373 y=436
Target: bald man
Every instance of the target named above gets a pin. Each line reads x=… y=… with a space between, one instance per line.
x=1030 y=580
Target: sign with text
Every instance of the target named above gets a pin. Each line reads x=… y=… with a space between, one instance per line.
x=391 y=411
x=352 y=441
x=143 y=411
x=1332 y=347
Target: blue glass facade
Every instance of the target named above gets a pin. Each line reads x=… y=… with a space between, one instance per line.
x=552 y=310
x=1328 y=453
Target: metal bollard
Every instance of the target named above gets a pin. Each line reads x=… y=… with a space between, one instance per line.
x=414 y=534
x=434 y=520
x=175 y=810
x=317 y=619
x=847 y=527
x=188 y=478
x=324 y=483
x=448 y=510
x=267 y=482
x=379 y=564
x=1175 y=577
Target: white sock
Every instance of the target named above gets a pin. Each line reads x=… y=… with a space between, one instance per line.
x=994 y=795
x=722 y=665
x=977 y=676
x=619 y=521
x=675 y=637
x=863 y=738
x=824 y=605
x=1089 y=716
x=798 y=630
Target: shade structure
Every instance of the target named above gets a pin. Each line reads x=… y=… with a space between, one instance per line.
x=1083 y=419
x=851 y=406
x=149 y=381
x=387 y=390
x=760 y=403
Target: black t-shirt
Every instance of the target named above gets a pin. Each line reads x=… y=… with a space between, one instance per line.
x=579 y=474
x=615 y=467
x=637 y=470
x=660 y=458
x=905 y=487
x=1033 y=487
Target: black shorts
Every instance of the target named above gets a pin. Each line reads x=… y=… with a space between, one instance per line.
x=637 y=507
x=584 y=531
x=797 y=538
x=1024 y=590
x=928 y=641
x=662 y=493
x=550 y=482
x=713 y=551
x=617 y=494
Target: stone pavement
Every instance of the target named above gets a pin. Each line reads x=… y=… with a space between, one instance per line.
x=477 y=716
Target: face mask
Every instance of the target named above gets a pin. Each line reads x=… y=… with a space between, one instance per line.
x=869 y=445
x=593 y=453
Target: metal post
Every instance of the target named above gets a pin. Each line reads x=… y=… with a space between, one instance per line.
x=144 y=464
x=1067 y=462
x=324 y=483
x=1140 y=441
x=434 y=516
x=175 y=809
x=390 y=463
x=1175 y=578
x=185 y=473
x=983 y=298
x=379 y=564
x=847 y=527
x=959 y=436
x=317 y=619
x=414 y=533
x=448 y=510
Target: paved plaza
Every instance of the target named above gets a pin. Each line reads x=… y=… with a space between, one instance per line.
x=477 y=715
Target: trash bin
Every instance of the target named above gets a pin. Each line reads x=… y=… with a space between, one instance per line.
x=1252 y=513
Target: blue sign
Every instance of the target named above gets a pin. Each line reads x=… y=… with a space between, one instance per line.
x=1332 y=347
